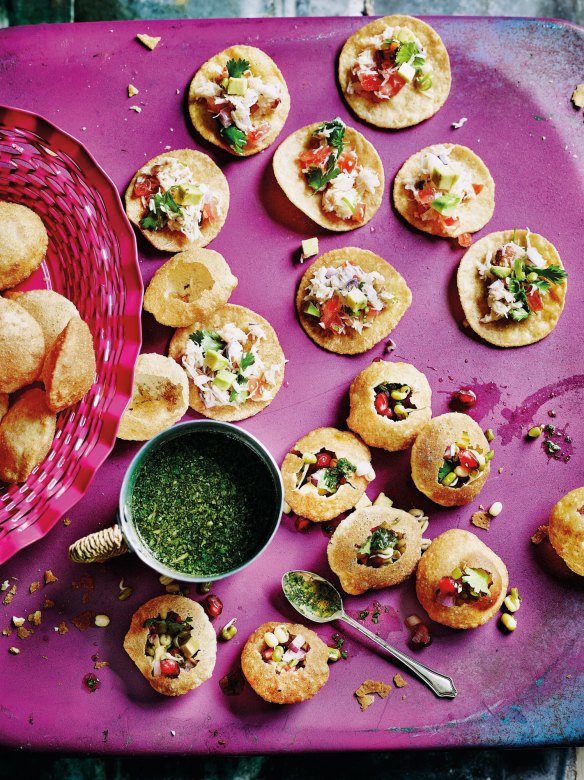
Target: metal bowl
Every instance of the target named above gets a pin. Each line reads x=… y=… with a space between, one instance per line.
x=229 y=433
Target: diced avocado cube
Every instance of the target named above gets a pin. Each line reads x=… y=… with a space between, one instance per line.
x=187 y=194
x=215 y=360
x=403 y=35
x=312 y=309
x=406 y=71
x=224 y=379
x=501 y=271
x=446 y=204
x=519 y=269
x=309 y=247
x=356 y=299
x=444 y=176
x=190 y=647
x=309 y=457
x=383 y=500
x=518 y=314
x=237 y=86
x=224 y=83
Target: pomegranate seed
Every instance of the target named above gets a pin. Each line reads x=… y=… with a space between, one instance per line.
x=468 y=460
x=466 y=397
x=323 y=460
x=267 y=653
x=420 y=637
x=302 y=524
x=213 y=605
x=381 y=403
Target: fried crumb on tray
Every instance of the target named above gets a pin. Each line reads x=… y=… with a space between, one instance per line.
x=83 y=620
x=50 y=577
x=540 y=534
x=150 y=41
x=578 y=96
x=481 y=520
x=399 y=681
x=368 y=687
x=34 y=586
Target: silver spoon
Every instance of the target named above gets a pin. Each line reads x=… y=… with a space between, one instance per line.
x=316 y=599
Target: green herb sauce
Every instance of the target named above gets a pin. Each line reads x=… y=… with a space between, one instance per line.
x=311 y=596
x=203 y=505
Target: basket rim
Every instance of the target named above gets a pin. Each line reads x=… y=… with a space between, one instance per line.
x=57 y=139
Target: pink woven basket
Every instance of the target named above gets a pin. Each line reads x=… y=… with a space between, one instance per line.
x=92 y=260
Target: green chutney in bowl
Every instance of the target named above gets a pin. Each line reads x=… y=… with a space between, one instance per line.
x=201 y=501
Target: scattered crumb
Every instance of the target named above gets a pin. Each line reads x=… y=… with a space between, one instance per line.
x=481 y=520
x=6 y=631
x=35 y=618
x=373 y=686
x=83 y=620
x=365 y=701
x=137 y=109
x=34 y=586
x=50 y=577
x=23 y=633
x=45 y=657
x=540 y=534
x=17 y=621
x=399 y=681
x=132 y=90
x=100 y=664
x=578 y=96
x=10 y=595
x=48 y=603
x=61 y=628
x=149 y=41
x=14 y=650
x=167 y=147
x=173 y=733
x=5 y=585
x=568 y=677
x=500 y=469
x=460 y=123
x=67 y=521
x=404 y=697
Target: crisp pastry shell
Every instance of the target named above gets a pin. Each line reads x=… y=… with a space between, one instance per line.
x=566 y=529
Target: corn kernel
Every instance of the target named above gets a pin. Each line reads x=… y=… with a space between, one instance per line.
x=509 y=621
x=281 y=634
x=535 y=432
x=101 y=621
x=278 y=653
x=270 y=639
x=496 y=509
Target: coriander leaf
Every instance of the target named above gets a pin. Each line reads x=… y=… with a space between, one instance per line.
x=247 y=360
x=553 y=273
x=207 y=339
x=406 y=51
x=234 y=137
x=160 y=206
x=365 y=548
x=477 y=580
x=318 y=180
x=334 y=132
x=232 y=394
x=445 y=469
x=237 y=68
x=518 y=314
x=383 y=539
x=332 y=476
x=542 y=284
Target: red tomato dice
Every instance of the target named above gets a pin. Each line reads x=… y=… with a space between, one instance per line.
x=169 y=668
x=468 y=460
x=534 y=301
x=370 y=81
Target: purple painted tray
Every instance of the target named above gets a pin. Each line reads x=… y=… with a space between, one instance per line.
x=513 y=80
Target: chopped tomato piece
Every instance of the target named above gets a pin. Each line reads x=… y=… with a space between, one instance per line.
x=371 y=313
x=450 y=221
x=534 y=301
x=427 y=194
x=359 y=213
x=381 y=403
x=447 y=586
x=169 y=668
x=347 y=162
x=465 y=239
x=215 y=107
x=370 y=82
x=255 y=387
x=477 y=188
x=210 y=211
x=317 y=157
x=146 y=185
x=392 y=86
x=329 y=313
x=468 y=460
x=257 y=133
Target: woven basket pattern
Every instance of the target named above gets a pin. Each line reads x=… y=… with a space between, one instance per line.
x=92 y=260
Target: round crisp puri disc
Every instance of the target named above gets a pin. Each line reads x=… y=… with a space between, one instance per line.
x=203 y=170
x=354 y=531
x=474 y=213
x=351 y=342
x=566 y=529
x=458 y=549
x=260 y=65
x=389 y=433
x=428 y=458
x=305 y=500
x=269 y=351
x=285 y=687
x=189 y=286
x=22 y=347
x=410 y=105
x=473 y=293
x=202 y=635
x=289 y=176
x=23 y=243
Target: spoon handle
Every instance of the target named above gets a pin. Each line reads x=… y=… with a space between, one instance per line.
x=439 y=683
